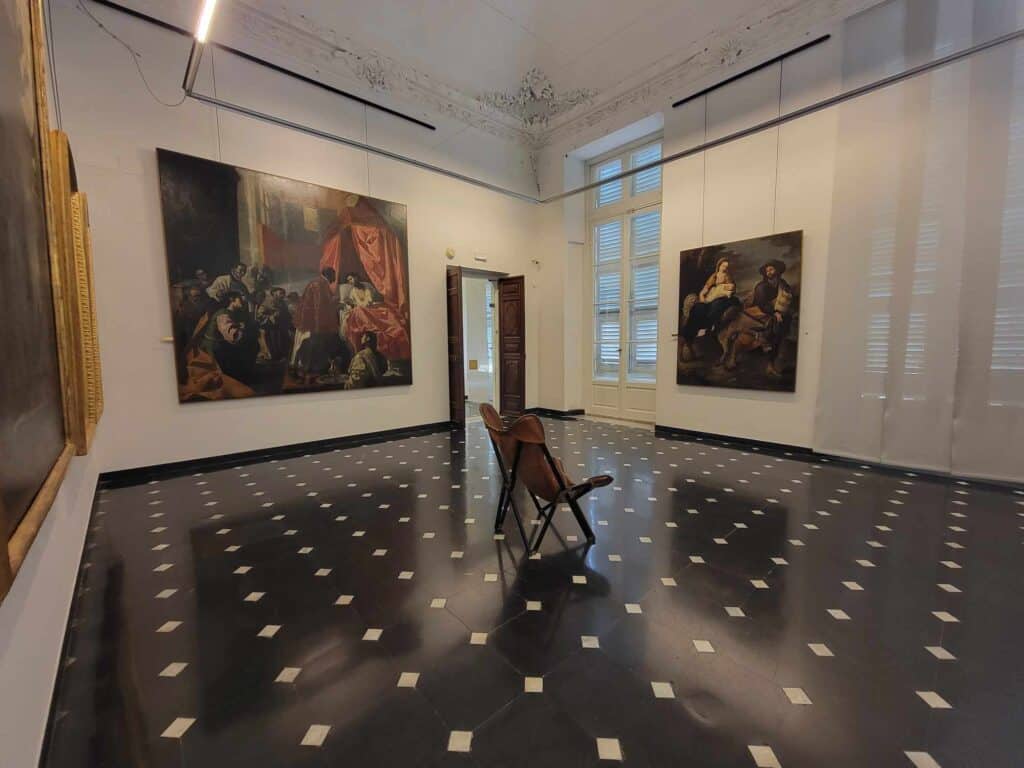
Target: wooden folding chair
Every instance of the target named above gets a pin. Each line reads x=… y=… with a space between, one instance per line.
x=545 y=477
x=504 y=451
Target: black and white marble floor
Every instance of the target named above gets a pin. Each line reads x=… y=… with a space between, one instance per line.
x=354 y=608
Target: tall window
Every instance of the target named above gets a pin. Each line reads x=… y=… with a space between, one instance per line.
x=625 y=226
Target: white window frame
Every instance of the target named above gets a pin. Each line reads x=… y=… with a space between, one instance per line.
x=624 y=210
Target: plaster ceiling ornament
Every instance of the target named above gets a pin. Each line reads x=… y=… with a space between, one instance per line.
x=536 y=102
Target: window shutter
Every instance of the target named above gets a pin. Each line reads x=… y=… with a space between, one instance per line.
x=649 y=180
x=611 y=192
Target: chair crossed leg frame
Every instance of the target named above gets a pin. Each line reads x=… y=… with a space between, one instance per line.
x=505 y=500
x=565 y=494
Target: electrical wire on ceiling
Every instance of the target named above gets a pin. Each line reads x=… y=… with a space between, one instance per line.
x=136 y=57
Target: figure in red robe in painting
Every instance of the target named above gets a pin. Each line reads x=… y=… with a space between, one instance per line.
x=365 y=243
x=317 y=342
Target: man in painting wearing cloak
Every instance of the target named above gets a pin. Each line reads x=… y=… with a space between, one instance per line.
x=317 y=342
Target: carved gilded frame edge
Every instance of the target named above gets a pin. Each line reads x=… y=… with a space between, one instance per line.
x=63 y=277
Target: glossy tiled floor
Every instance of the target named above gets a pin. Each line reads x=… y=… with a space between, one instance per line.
x=353 y=608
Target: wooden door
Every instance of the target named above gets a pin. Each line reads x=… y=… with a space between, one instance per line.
x=512 y=345
x=456 y=372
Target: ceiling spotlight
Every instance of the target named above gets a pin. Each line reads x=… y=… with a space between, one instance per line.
x=205 y=17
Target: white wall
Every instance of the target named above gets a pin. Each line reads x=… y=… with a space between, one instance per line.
x=774 y=181
x=115 y=126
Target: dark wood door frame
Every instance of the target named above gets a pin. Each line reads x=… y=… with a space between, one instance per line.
x=456 y=371
x=512 y=345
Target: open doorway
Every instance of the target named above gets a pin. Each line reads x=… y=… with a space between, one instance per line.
x=486 y=341
x=479 y=340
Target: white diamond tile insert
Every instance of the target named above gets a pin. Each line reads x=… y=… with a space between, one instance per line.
x=853 y=586
x=533 y=685
x=438 y=602
x=933 y=700
x=949 y=588
x=759 y=584
x=838 y=614
x=489 y=577
x=796 y=696
x=609 y=749
x=173 y=669
x=533 y=605
x=478 y=638
x=405 y=575
x=178 y=727
x=764 y=757
x=943 y=616
x=922 y=760
x=696 y=559
x=242 y=570
x=269 y=630
x=668 y=581
x=373 y=634
x=460 y=741
x=703 y=646
x=663 y=690
x=315 y=736
x=408 y=679
x=344 y=600
x=734 y=611
x=614 y=558
x=254 y=597
x=579 y=579
x=634 y=608
x=820 y=649
x=379 y=552
x=590 y=641
x=288 y=675
x=163 y=594
x=940 y=653
x=168 y=626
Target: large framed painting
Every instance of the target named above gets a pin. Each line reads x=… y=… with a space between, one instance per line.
x=739 y=313
x=279 y=286
x=50 y=391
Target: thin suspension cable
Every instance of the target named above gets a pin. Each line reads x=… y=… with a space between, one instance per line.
x=707 y=145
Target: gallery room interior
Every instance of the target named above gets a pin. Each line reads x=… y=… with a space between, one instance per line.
x=512 y=383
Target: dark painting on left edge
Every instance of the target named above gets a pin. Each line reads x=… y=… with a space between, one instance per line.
x=280 y=286
x=31 y=406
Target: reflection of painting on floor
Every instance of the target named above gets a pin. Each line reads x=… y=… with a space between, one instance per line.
x=280 y=286
x=739 y=307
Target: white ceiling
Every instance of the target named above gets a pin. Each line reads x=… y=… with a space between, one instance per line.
x=479 y=46
x=446 y=59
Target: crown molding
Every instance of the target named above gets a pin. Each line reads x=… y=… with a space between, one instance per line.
x=535 y=116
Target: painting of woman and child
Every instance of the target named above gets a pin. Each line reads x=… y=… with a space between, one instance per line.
x=279 y=286
x=739 y=306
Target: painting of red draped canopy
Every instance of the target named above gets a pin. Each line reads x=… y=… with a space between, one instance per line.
x=280 y=286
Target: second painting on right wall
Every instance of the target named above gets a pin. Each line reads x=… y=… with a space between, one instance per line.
x=739 y=311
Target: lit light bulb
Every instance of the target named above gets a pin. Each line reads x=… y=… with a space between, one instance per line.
x=205 y=17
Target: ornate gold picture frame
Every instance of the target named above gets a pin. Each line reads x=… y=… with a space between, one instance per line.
x=69 y=253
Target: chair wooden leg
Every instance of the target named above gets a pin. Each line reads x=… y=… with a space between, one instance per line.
x=499 y=518
x=550 y=513
x=582 y=520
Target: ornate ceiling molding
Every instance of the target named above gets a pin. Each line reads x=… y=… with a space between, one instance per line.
x=535 y=102
x=535 y=115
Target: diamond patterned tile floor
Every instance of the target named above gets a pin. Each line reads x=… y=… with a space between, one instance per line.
x=740 y=607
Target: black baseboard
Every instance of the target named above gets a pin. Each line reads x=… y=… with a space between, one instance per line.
x=797 y=451
x=663 y=431
x=138 y=475
x=553 y=413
